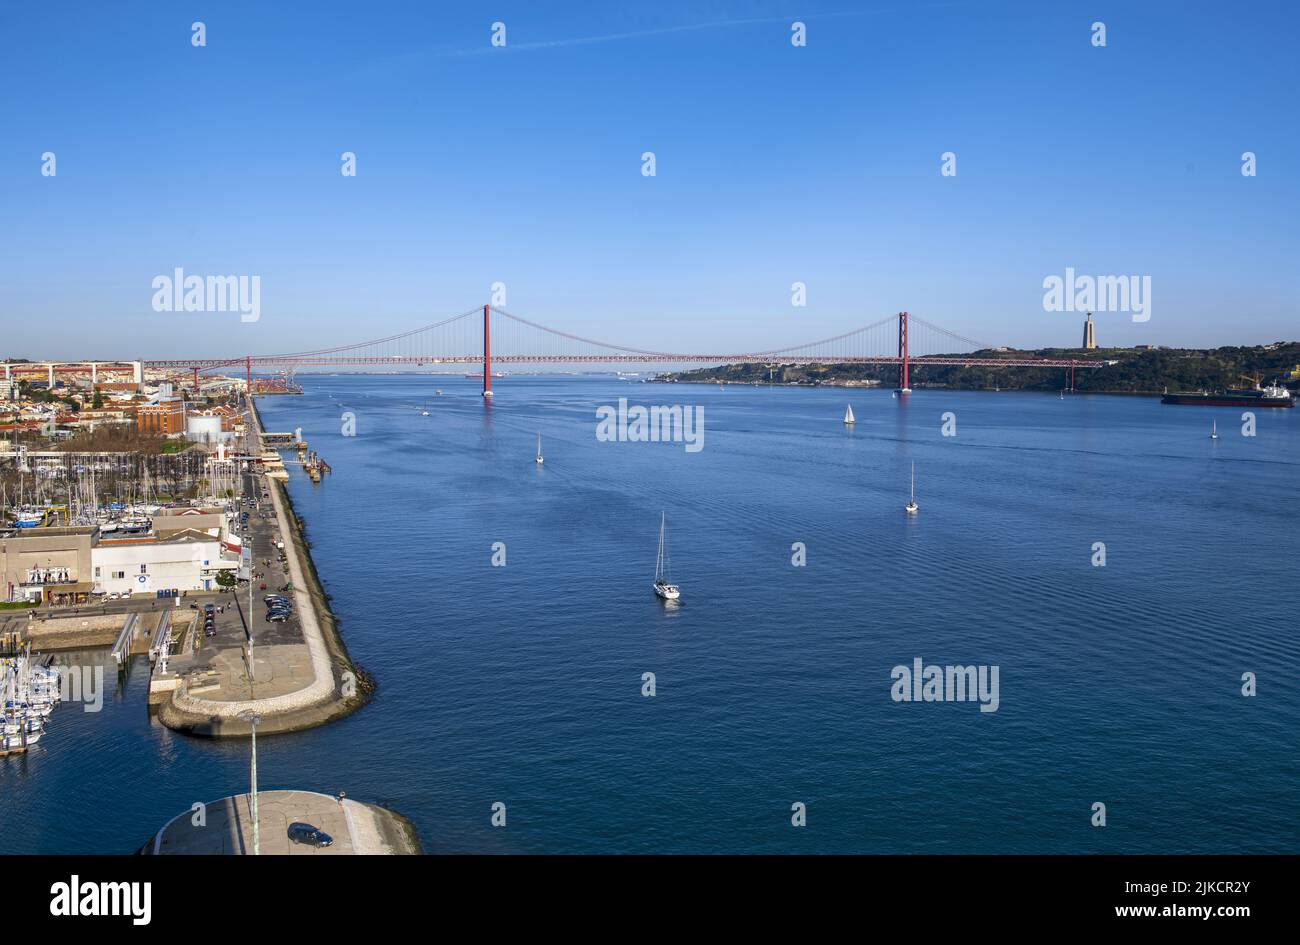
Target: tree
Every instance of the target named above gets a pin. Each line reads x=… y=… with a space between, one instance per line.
x=225 y=579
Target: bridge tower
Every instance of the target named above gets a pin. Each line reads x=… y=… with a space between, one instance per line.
x=487 y=352
x=902 y=354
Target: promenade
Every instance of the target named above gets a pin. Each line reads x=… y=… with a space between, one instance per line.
x=294 y=683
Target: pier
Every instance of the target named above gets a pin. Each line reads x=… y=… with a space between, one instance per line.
x=356 y=828
x=122 y=648
x=294 y=674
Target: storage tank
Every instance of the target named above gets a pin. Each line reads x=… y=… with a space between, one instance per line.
x=203 y=429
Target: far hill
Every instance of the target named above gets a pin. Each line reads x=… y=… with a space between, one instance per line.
x=1124 y=370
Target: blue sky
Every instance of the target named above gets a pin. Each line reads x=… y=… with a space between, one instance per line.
x=774 y=164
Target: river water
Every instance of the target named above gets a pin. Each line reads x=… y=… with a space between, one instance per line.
x=523 y=684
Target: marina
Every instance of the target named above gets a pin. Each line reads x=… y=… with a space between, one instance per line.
x=31 y=691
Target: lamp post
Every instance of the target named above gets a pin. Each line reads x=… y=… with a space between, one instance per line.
x=252 y=718
x=249 y=535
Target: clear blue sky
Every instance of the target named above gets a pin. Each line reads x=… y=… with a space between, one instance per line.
x=775 y=164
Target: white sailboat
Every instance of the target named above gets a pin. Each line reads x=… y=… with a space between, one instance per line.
x=539 y=450
x=848 y=415
x=663 y=575
x=1214 y=430
x=912 y=507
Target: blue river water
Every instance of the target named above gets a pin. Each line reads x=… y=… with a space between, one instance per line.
x=1119 y=684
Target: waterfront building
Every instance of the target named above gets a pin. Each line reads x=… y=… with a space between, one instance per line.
x=186 y=561
x=45 y=567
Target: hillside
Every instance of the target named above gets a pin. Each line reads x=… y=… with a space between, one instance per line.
x=1132 y=371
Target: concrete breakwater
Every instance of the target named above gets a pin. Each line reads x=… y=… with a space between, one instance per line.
x=354 y=827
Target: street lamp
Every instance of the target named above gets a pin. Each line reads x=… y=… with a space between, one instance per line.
x=248 y=534
x=252 y=718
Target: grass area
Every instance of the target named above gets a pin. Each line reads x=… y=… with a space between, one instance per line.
x=175 y=446
x=17 y=605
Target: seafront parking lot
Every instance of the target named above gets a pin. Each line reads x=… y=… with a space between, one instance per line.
x=218 y=669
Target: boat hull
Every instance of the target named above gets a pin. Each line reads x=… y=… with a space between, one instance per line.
x=1226 y=400
x=667 y=591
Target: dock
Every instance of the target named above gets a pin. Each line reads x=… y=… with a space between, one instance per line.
x=122 y=648
x=161 y=640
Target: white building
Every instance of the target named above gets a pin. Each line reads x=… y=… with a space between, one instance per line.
x=206 y=428
x=188 y=561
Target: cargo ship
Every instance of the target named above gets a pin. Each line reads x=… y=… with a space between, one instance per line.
x=1271 y=395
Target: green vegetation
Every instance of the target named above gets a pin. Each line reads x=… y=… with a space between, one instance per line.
x=44 y=395
x=225 y=578
x=1124 y=370
x=175 y=446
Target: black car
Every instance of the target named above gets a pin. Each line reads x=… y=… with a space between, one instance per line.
x=209 y=607
x=309 y=835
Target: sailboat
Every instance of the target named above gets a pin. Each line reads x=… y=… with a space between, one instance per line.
x=663 y=586
x=1214 y=430
x=848 y=415
x=912 y=507
x=539 y=450
x=424 y=412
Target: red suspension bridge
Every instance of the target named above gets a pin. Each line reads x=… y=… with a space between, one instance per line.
x=490 y=335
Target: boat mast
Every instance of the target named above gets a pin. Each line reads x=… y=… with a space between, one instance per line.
x=659 y=559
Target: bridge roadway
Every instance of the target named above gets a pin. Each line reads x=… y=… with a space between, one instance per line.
x=477 y=359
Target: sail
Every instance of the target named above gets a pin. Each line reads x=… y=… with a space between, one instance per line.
x=848 y=415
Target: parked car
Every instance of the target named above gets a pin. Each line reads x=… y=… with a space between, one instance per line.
x=277 y=617
x=309 y=835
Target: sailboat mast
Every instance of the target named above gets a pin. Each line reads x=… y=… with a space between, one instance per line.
x=659 y=562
